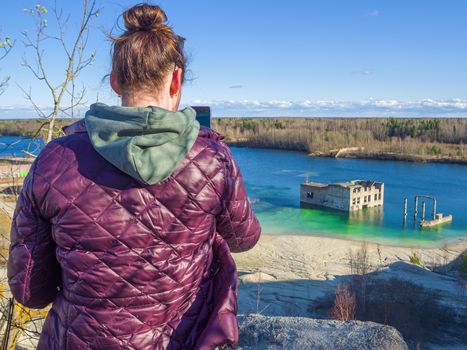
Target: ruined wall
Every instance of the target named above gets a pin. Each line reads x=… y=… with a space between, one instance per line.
x=335 y=197
x=366 y=197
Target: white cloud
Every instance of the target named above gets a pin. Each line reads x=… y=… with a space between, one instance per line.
x=362 y=72
x=331 y=108
x=306 y=108
x=27 y=111
x=375 y=13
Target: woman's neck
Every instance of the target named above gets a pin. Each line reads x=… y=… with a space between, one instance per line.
x=141 y=100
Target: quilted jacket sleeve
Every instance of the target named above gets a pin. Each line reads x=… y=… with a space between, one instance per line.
x=237 y=223
x=33 y=272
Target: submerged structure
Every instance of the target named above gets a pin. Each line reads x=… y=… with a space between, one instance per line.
x=436 y=218
x=347 y=196
x=439 y=220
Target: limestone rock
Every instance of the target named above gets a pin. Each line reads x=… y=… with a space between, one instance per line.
x=262 y=332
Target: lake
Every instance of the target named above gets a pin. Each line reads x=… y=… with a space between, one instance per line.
x=273 y=181
x=14 y=146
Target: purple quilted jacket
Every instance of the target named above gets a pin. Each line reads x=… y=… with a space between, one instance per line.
x=126 y=265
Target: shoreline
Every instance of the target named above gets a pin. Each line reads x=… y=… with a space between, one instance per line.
x=410 y=158
x=376 y=155
x=289 y=257
x=382 y=156
x=460 y=241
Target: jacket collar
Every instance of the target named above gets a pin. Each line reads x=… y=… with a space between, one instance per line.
x=76 y=127
x=80 y=127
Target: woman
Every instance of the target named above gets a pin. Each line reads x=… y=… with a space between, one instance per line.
x=127 y=223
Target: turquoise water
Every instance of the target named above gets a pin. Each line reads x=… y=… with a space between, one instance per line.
x=273 y=179
x=13 y=146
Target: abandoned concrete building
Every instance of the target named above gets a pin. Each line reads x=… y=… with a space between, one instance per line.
x=347 y=196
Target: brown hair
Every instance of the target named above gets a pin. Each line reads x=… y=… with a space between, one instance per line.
x=147 y=50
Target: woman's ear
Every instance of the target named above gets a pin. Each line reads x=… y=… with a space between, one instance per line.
x=114 y=84
x=176 y=83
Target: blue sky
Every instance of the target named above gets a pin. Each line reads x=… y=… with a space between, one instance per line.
x=273 y=58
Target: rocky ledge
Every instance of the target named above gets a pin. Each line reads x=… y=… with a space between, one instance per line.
x=263 y=332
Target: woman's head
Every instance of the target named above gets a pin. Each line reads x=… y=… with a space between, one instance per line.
x=148 y=62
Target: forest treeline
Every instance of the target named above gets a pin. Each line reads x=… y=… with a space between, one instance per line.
x=374 y=137
x=20 y=127
x=421 y=139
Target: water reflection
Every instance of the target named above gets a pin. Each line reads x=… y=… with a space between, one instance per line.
x=373 y=216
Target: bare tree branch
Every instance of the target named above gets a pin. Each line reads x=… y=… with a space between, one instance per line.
x=6 y=45
x=77 y=59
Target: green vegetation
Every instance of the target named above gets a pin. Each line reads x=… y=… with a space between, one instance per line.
x=412 y=128
x=415 y=259
x=434 y=150
x=396 y=138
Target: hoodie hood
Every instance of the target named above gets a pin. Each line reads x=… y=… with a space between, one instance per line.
x=147 y=143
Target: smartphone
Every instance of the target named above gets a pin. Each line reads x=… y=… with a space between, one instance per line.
x=203 y=115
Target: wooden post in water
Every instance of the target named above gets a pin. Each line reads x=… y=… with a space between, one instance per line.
x=423 y=210
x=434 y=208
x=415 y=209
x=405 y=210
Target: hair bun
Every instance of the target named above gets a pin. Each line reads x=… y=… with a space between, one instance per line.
x=144 y=17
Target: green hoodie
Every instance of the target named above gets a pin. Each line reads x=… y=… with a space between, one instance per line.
x=147 y=143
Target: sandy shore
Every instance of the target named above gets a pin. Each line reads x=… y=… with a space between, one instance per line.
x=285 y=257
x=284 y=275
